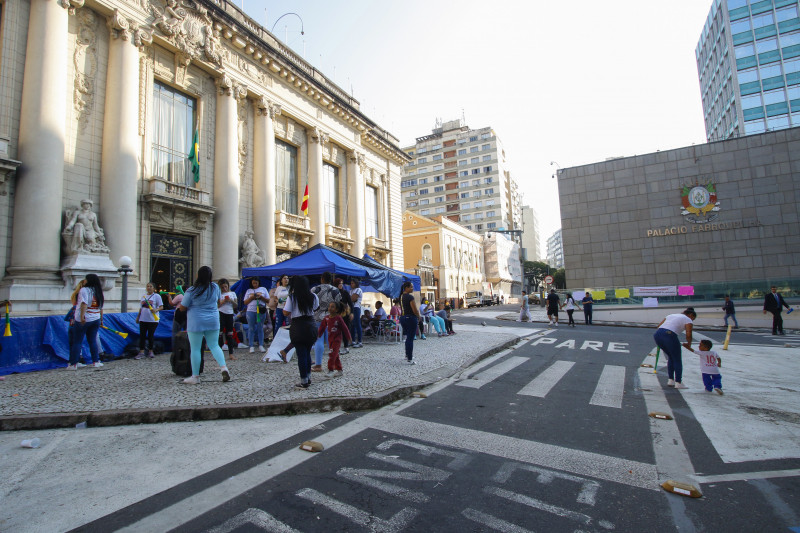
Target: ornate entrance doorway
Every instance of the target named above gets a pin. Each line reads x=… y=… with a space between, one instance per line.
x=171 y=260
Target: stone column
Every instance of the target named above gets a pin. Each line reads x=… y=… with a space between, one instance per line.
x=355 y=198
x=226 y=181
x=36 y=234
x=120 y=168
x=264 y=176
x=316 y=203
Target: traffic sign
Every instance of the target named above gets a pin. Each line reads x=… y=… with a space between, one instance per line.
x=548 y=280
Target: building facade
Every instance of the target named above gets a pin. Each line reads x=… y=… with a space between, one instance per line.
x=193 y=133
x=452 y=252
x=748 y=62
x=531 y=242
x=461 y=174
x=555 y=250
x=503 y=266
x=715 y=217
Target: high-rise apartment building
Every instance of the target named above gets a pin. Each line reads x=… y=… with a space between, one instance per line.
x=555 y=250
x=748 y=61
x=531 y=243
x=461 y=174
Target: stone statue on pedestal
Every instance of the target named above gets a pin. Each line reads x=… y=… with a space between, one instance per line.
x=82 y=234
x=85 y=249
x=252 y=256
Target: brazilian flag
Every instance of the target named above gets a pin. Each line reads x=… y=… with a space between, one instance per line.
x=194 y=156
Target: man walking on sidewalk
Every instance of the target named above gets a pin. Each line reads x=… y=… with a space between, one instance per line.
x=525 y=308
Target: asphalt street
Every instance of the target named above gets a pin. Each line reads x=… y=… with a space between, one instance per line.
x=552 y=434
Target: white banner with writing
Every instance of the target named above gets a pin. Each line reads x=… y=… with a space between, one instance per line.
x=670 y=290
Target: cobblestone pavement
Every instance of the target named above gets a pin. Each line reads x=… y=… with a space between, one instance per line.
x=149 y=384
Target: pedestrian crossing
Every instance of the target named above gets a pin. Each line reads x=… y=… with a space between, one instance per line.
x=789 y=337
x=608 y=391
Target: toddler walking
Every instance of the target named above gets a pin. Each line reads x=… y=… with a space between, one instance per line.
x=709 y=366
x=337 y=328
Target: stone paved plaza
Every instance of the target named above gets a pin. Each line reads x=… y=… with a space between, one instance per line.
x=149 y=384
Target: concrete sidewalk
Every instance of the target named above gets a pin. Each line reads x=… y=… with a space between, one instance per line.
x=128 y=391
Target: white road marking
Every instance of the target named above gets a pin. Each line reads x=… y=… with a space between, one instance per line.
x=627 y=472
x=542 y=506
x=545 y=381
x=672 y=458
x=487 y=376
x=398 y=522
x=610 y=387
x=587 y=494
x=262 y=520
x=744 y=476
x=492 y=522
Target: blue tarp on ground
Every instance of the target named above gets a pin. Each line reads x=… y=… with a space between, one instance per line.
x=39 y=343
x=320 y=259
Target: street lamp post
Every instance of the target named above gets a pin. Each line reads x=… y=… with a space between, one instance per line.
x=124 y=269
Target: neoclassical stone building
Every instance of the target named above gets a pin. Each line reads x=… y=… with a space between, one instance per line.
x=101 y=101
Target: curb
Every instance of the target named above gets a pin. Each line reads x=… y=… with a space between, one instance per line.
x=124 y=417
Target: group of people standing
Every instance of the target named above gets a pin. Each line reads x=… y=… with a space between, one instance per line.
x=553 y=302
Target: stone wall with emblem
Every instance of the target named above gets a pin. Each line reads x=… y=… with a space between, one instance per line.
x=725 y=211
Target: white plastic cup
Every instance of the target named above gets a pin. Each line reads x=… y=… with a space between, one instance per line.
x=31 y=443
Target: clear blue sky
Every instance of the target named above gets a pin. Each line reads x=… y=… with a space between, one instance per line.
x=572 y=82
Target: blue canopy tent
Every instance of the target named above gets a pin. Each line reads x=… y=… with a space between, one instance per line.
x=321 y=258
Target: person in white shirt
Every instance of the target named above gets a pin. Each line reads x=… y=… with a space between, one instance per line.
x=356 y=294
x=709 y=366
x=281 y=293
x=256 y=299
x=570 y=305
x=88 y=319
x=149 y=306
x=666 y=337
x=226 y=305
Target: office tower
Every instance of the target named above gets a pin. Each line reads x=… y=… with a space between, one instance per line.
x=748 y=62
x=555 y=250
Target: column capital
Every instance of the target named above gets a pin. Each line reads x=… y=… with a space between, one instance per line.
x=239 y=91
x=122 y=28
x=317 y=136
x=360 y=159
x=72 y=5
x=266 y=107
x=224 y=85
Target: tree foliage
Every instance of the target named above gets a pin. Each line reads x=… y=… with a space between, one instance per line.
x=560 y=278
x=535 y=272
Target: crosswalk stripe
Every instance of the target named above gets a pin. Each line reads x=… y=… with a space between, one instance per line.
x=545 y=381
x=608 y=392
x=492 y=373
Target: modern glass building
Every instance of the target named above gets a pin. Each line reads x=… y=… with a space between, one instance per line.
x=748 y=62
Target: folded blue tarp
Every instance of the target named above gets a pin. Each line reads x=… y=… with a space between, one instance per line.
x=39 y=343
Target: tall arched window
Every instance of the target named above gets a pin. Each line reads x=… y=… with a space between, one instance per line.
x=427 y=252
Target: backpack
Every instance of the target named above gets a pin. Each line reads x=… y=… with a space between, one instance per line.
x=181 y=358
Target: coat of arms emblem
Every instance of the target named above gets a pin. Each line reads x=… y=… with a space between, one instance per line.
x=700 y=203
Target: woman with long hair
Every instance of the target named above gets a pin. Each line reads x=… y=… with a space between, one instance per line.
x=299 y=307
x=256 y=299
x=280 y=293
x=88 y=319
x=149 y=305
x=200 y=303
x=409 y=319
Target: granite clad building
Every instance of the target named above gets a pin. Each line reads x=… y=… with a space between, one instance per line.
x=720 y=212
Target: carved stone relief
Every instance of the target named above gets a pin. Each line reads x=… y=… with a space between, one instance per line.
x=190 y=28
x=145 y=72
x=240 y=93
x=182 y=60
x=178 y=220
x=72 y=5
x=85 y=61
